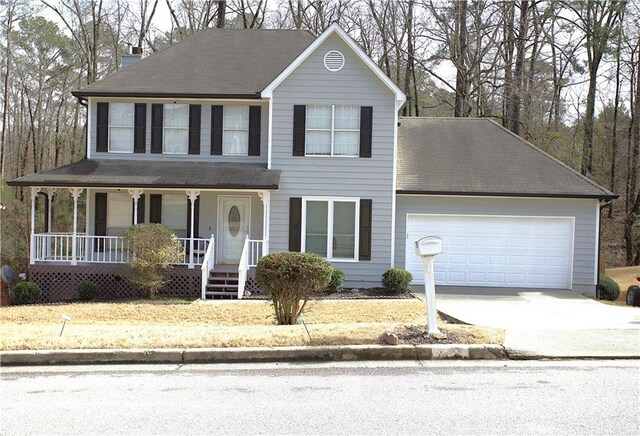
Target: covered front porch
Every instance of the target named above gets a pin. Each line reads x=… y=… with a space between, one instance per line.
x=224 y=232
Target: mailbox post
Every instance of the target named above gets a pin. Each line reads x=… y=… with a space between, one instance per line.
x=428 y=248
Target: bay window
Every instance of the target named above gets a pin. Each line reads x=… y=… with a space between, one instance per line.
x=329 y=227
x=175 y=134
x=121 y=127
x=332 y=130
x=235 y=138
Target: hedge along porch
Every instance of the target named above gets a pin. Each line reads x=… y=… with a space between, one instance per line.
x=222 y=230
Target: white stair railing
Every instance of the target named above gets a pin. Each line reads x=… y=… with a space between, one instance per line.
x=243 y=268
x=207 y=265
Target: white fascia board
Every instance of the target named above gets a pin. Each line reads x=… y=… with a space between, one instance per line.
x=267 y=92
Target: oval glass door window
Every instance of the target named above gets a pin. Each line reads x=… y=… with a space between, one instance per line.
x=234 y=221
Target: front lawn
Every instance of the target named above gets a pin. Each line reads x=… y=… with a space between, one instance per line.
x=625 y=277
x=161 y=324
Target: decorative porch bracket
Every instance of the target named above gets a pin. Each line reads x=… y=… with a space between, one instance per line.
x=135 y=194
x=75 y=193
x=32 y=250
x=193 y=195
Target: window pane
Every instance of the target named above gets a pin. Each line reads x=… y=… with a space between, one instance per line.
x=176 y=115
x=318 y=143
x=121 y=139
x=235 y=142
x=344 y=229
x=175 y=140
x=318 y=117
x=347 y=117
x=119 y=212
x=174 y=213
x=346 y=144
x=317 y=227
x=121 y=114
x=236 y=117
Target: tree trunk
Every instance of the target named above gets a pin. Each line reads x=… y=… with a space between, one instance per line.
x=461 y=105
x=222 y=12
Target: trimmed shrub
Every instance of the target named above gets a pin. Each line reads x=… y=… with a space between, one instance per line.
x=396 y=280
x=609 y=289
x=290 y=279
x=26 y=293
x=337 y=279
x=155 y=248
x=88 y=291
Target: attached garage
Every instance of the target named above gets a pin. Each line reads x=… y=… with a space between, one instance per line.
x=509 y=215
x=495 y=251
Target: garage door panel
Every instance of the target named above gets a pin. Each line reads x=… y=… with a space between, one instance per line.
x=495 y=251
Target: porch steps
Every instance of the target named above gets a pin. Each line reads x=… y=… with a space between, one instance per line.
x=222 y=285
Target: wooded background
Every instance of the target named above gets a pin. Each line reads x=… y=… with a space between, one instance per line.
x=561 y=74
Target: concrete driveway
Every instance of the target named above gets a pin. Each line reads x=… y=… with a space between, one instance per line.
x=542 y=322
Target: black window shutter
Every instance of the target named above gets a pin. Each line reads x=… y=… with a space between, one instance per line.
x=157 y=111
x=140 y=123
x=366 y=127
x=194 y=128
x=102 y=127
x=140 y=209
x=100 y=220
x=254 y=130
x=299 y=123
x=216 y=129
x=295 y=223
x=196 y=218
x=365 y=229
x=155 y=208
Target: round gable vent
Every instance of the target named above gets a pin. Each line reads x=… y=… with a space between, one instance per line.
x=334 y=60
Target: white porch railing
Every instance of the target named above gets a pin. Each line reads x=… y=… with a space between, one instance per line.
x=208 y=262
x=243 y=268
x=256 y=250
x=58 y=247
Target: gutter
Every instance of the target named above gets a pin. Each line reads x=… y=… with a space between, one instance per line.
x=601 y=197
x=184 y=96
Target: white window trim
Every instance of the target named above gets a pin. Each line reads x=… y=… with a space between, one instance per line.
x=225 y=130
x=330 y=201
x=164 y=128
x=332 y=130
x=132 y=127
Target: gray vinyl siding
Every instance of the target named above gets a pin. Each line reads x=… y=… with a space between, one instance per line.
x=205 y=133
x=584 y=212
x=208 y=210
x=368 y=178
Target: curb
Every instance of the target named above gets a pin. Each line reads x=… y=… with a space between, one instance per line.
x=254 y=354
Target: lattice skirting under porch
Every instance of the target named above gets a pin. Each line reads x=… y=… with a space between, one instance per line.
x=59 y=282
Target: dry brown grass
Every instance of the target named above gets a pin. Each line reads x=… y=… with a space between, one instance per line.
x=146 y=324
x=624 y=277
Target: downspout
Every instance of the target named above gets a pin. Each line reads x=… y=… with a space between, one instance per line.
x=82 y=102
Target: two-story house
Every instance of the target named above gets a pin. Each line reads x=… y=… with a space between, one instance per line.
x=247 y=142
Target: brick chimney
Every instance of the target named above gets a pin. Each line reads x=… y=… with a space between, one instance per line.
x=131 y=58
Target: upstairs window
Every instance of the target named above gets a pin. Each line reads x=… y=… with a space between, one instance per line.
x=121 y=127
x=175 y=133
x=332 y=130
x=235 y=137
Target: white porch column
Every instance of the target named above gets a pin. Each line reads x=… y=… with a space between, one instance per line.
x=32 y=251
x=193 y=196
x=51 y=192
x=135 y=194
x=75 y=193
x=265 y=196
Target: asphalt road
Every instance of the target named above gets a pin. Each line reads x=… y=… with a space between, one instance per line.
x=582 y=397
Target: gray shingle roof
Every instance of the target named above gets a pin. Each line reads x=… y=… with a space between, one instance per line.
x=210 y=63
x=154 y=174
x=474 y=156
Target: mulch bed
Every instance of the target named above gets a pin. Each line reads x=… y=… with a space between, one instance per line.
x=417 y=335
x=351 y=294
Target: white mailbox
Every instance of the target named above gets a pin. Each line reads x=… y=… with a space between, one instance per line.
x=428 y=246
x=427 y=249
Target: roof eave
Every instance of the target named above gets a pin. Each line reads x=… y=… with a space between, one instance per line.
x=602 y=196
x=85 y=94
x=62 y=184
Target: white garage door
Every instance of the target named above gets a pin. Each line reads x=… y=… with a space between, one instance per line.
x=495 y=250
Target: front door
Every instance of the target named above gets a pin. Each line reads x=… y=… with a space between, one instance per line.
x=233 y=227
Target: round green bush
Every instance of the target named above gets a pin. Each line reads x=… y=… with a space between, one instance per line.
x=26 y=293
x=88 y=291
x=337 y=279
x=609 y=289
x=396 y=280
